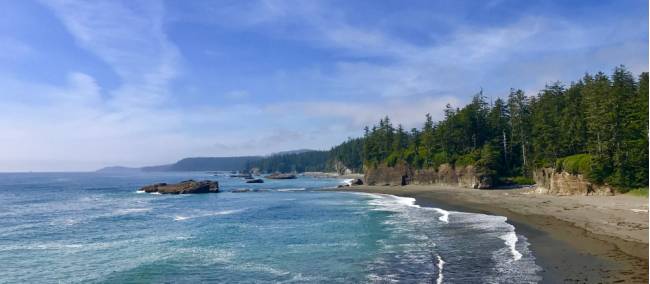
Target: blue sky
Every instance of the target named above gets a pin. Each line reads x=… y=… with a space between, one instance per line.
x=85 y=84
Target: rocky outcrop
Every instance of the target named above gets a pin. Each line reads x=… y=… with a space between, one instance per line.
x=340 y=168
x=356 y=181
x=549 y=181
x=281 y=176
x=256 y=180
x=445 y=174
x=383 y=175
x=185 y=187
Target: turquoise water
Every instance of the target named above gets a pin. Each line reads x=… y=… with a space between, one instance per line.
x=89 y=227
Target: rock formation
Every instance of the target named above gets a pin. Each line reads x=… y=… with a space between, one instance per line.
x=184 y=187
x=445 y=174
x=281 y=176
x=549 y=181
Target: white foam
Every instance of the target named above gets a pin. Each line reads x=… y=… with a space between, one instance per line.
x=291 y=189
x=180 y=218
x=139 y=191
x=639 y=210
x=132 y=210
x=157 y=193
x=348 y=181
x=510 y=240
x=217 y=213
x=445 y=215
x=387 y=201
x=440 y=265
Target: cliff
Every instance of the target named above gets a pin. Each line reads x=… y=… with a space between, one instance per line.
x=550 y=181
x=402 y=174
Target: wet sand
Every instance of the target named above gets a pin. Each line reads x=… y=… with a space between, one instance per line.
x=575 y=239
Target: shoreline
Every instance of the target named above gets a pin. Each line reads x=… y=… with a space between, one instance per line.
x=568 y=249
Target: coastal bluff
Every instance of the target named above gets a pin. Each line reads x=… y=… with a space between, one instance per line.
x=445 y=174
x=551 y=181
x=548 y=180
x=184 y=187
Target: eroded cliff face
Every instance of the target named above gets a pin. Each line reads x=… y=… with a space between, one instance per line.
x=382 y=175
x=563 y=183
x=402 y=174
x=340 y=168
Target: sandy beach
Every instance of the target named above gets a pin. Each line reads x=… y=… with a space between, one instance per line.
x=577 y=239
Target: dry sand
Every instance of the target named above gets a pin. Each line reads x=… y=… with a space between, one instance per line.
x=577 y=239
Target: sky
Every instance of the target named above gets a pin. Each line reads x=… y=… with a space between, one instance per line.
x=87 y=84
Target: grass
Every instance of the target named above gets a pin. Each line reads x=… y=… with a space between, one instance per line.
x=641 y=192
x=576 y=164
x=523 y=180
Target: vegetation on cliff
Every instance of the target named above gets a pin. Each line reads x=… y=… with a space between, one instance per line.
x=597 y=126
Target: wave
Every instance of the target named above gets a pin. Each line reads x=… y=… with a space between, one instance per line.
x=426 y=240
x=132 y=210
x=445 y=214
x=217 y=213
x=510 y=239
x=440 y=265
x=291 y=189
x=393 y=203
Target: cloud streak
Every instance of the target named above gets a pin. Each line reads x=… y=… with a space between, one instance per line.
x=344 y=67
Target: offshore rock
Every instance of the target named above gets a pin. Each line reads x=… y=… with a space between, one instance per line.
x=281 y=176
x=184 y=187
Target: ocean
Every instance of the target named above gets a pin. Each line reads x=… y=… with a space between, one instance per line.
x=96 y=227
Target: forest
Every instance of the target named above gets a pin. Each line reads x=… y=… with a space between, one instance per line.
x=347 y=153
x=596 y=126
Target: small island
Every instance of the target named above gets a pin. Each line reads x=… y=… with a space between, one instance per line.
x=184 y=187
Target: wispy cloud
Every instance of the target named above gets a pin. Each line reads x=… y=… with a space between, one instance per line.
x=129 y=36
x=347 y=67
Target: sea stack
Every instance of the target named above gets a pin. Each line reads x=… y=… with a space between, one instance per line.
x=280 y=176
x=184 y=187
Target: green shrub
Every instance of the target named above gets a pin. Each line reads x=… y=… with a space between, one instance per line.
x=393 y=158
x=523 y=180
x=576 y=164
x=468 y=159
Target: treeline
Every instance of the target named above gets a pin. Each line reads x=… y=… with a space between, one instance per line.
x=311 y=161
x=344 y=156
x=597 y=126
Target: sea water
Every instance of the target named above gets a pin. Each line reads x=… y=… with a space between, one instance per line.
x=91 y=227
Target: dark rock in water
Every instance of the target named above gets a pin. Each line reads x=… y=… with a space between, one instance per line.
x=152 y=188
x=342 y=186
x=246 y=176
x=356 y=181
x=184 y=187
x=238 y=190
x=281 y=176
x=257 y=180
